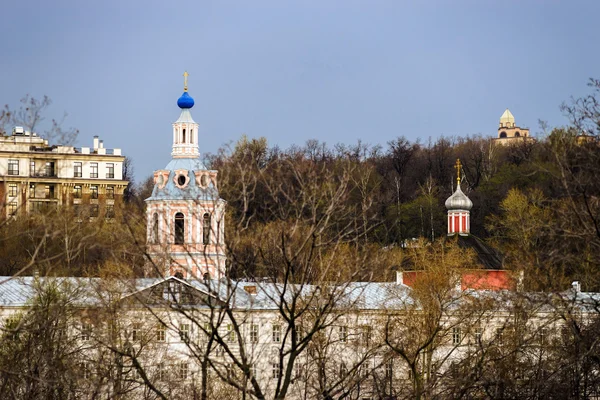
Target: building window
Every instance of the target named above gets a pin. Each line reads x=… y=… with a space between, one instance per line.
x=77 y=191
x=161 y=373
x=86 y=331
x=12 y=208
x=77 y=170
x=343 y=333
x=183 y=370
x=113 y=331
x=230 y=333
x=183 y=136
x=253 y=333
x=500 y=336
x=86 y=369
x=276 y=333
x=94 y=170
x=365 y=335
x=49 y=191
x=155 y=228
x=93 y=192
x=110 y=192
x=94 y=210
x=109 y=211
x=182 y=181
x=12 y=190
x=136 y=332
x=478 y=334
x=502 y=134
x=161 y=333
x=389 y=370
x=31 y=168
x=110 y=170
x=13 y=167
x=343 y=370
x=543 y=336
x=206 y=229
x=32 y=190
x=179 y=228
x=184 y=332
x=275 y=370
x=204 y=332
x=49 y=169
x=455 y=336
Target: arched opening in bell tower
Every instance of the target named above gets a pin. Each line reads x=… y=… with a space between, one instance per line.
x=179 y=228
x=155 y=228
x=206 y=229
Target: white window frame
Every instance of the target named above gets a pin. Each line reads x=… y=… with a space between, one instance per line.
x=94 y=170
x=13 y=167
x=276 y=333
x=254 y=332
x=456 y=336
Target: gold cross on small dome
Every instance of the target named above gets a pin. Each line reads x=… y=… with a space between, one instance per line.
x=185 y=76
x=458 y=166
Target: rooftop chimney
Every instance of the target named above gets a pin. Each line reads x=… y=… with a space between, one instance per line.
x=95 y=146
x=399 y=278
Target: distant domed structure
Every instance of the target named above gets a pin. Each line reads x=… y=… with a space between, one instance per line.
x=509 y=132
x=185 y=101
x=459 y=201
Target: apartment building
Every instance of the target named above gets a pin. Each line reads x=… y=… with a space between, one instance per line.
x=35 y=176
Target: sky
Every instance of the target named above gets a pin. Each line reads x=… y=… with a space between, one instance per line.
x=336 y=71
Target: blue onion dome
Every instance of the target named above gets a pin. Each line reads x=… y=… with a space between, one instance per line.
x=459 y=201
x=185 y=101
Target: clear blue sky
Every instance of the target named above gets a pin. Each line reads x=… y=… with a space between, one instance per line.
x=337 y=71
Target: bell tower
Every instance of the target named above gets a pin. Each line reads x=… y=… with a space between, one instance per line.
x=185 y=215
x=509 y=132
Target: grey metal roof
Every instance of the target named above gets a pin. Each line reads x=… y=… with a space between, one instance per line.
x=193 y=191
x=185 y=117
x=364 y=296
x=19 y=292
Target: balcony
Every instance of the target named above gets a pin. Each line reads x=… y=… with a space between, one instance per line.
x=43 y=174
x=42 y=206
x=44 y=169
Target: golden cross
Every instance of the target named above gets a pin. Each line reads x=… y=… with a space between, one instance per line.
x=458 y=166
x=185 y=76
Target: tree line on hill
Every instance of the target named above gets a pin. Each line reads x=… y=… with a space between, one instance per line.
x=536 y=201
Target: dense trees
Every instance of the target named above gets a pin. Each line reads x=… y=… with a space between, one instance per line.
x=398 y=190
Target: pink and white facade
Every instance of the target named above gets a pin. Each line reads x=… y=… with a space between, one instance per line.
x=458 y=222
x=185 y=216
